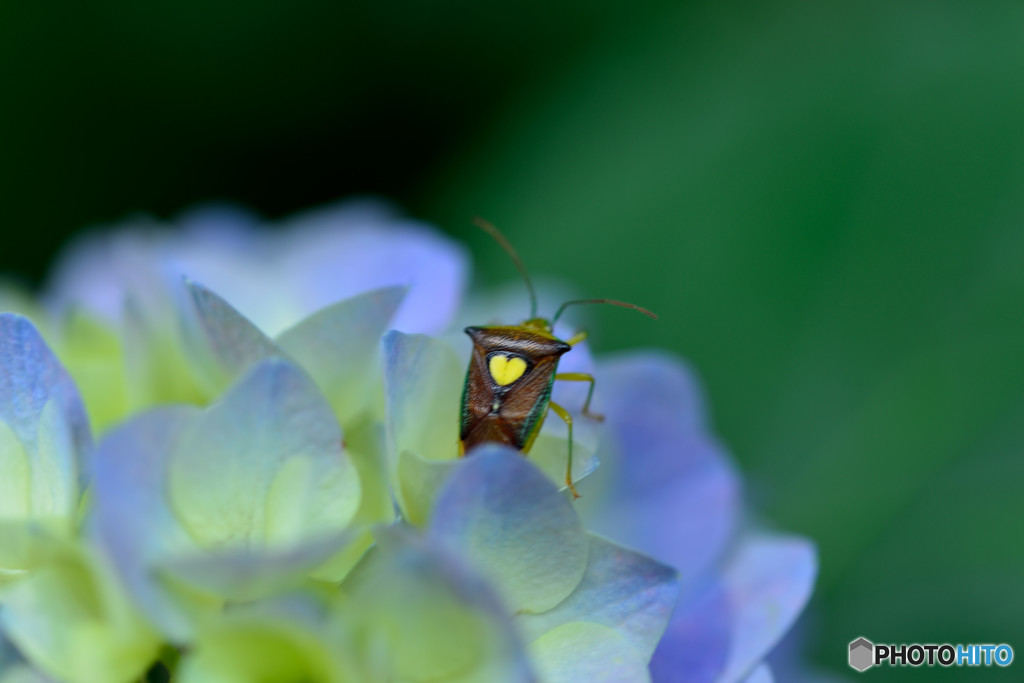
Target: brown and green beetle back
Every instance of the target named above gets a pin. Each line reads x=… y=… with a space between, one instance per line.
x=508 y=385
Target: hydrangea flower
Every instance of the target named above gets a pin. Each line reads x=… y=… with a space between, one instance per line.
x=276 y=492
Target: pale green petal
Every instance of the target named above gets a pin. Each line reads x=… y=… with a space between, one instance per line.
x=22 y=673
x=158 y=371
x=417 y=614
x=16 y=482
x=94 y=356
x=365 y=446
x=550 y=452
x=24 y=544
x=223 y=342
x=422 y=383
x=70 y=619
x=264 y=466
x=340 y=347
x=621 y=589
x=580 y=651
x=420 y=480
x=249 y=648
x=511 y=523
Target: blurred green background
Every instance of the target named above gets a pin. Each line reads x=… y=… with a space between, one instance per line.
x=822 y=199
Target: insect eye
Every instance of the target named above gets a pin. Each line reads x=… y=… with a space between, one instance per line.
x=506 y=368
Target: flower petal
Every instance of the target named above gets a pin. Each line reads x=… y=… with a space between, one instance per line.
x=47 y=437
x=132 y=520
x=728 y=627
x=420 y=482
x=511 y=523
x=22 y=673
x=762 y=674
x=622 y=590
x=340 y=251
x=582 y=651
x=339 y=346
x=223 y=340
x=417 y=613
x=69 y=618
x=696 y=644
x=768 y=583
x=422 y=383
x=249 y=647
x=158 y=369
x=98 y=270
x=93 y=353
x=251 y=574
x=264 y=465
x=550 y=453
x=665 y=486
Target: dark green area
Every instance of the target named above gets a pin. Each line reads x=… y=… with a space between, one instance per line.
x=823 y=200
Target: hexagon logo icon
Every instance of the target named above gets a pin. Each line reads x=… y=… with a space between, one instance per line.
x=862 y=654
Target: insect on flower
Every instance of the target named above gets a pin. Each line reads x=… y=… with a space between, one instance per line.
x=513 y=369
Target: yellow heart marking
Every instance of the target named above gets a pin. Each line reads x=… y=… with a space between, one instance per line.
x=506 y=369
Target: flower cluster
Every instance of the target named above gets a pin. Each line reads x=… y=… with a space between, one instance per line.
x=230 y=454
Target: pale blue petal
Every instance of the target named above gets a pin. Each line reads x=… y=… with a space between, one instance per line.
x=340 y=347
x=695 y=646
x=582 y=651
x=222 y=340
x=131 y=519
x=337 y=252
x=768 y=584
x=251 y=574
x=621 y=589
x=512 y=524
x=98 y=270
x=665 y=486
x=42 y=410
x=730 y=625
x=264 y=465
x=762 y=674
x=273 y=277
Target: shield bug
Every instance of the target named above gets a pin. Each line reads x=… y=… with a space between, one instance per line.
x=513 y=369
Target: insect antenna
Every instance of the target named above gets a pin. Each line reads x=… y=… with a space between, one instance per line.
x=613 y=302
x=504 y=243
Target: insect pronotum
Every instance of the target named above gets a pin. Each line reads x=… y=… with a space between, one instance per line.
x=513 y=369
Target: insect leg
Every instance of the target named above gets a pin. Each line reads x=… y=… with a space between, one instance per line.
x=583 y=377
x=564 y=414
x=577 y=338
